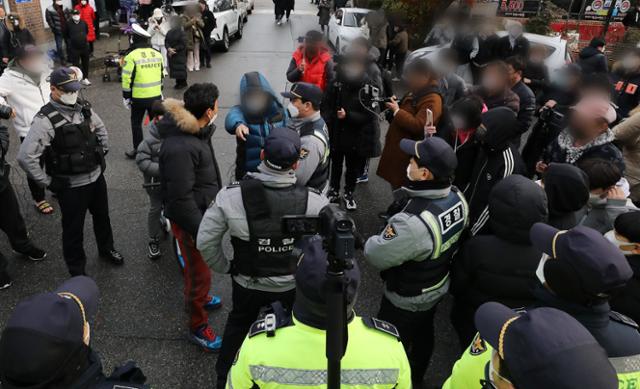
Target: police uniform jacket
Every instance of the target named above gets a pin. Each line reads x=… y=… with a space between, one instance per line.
x=227 y=213
x=374 y=358
x=315 y=148
x=42 y=133
x=407 y=238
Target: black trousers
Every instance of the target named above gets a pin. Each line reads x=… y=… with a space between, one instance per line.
x=74 y=204
x=462 y=320
x=138 y=109
x=37 y=192
x=416 y=331
x=12 y=223
x=205 y=54
x=355 y=166
x=80 y=58
x=246 y=307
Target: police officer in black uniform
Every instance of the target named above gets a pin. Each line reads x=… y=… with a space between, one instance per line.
x=264 y=263
x=579 y=273
x=415 y=248
x=73 y=140
x=46 y=343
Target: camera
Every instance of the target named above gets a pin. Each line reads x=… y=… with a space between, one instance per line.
x=551 y=117
x=5 y=112
x=333 y=224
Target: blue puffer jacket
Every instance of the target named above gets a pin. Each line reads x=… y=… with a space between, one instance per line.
x=248 y=153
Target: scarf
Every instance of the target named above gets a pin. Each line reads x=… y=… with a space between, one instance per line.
x=573 y=153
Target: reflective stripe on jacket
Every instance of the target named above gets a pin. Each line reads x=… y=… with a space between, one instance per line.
x=142 y=74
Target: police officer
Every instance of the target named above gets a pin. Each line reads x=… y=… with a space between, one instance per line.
x=73 y=140
x=578 y=274
x=540 y=348
x=304 y=108
x=46 y=343
x=263 y=263
x=415 y=248
x=141 y=81
x=293 y=355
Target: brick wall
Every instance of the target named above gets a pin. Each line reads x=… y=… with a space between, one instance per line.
x=32 y=15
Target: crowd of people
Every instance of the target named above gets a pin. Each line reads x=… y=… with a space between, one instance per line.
x=514 y=192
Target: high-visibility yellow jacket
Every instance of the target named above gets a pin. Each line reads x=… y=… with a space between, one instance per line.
x=142 y=74
x=295 y=358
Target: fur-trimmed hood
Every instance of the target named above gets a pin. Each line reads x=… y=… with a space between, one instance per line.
x=177 y=119
x=10 y=25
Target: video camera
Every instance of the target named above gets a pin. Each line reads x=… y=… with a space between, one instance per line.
x=551 y=117
x=333 y=224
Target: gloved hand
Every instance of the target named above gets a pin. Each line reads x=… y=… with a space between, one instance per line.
x=126 y=103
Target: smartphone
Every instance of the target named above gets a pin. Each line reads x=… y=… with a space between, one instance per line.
x=428 y=123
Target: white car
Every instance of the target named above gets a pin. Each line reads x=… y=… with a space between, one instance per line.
x=557 y=51
x=345 y=25
x=243 y=7
x=229 y=22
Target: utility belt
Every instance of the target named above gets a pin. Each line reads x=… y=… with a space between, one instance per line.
x=415 y=278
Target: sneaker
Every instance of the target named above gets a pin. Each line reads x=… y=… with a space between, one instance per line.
x=214 y=303
x=362 y=179
x=33 y=253
x=206 y=338
x=349 y=201
x=154 y=249
x=333 y=196
x=85 y=82
x=130 y=154
x=5 y=280
x=113 y=256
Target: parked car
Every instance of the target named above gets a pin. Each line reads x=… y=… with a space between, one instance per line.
x=558 y=53
x=251 y=6
x=243 y=7
x=345 y=25
x=230 y=22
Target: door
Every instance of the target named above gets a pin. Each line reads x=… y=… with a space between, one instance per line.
x=334 y=26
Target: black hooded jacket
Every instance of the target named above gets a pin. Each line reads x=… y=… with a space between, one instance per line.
x=627 y=301
x=501 y=266
x=592 y=61
x=567 y=189
x=189 y=173
x=495 y=160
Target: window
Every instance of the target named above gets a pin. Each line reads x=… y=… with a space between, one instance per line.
x=222 y=5
x=353 y=19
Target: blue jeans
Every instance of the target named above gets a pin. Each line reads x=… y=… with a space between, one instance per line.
x=59 y=49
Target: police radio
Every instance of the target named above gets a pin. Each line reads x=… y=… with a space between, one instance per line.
x=340 y=240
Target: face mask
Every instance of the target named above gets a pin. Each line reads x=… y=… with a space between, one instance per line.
x=83 y=2
x=625 y=247
x=540 y=269
x=213 y=119
x=293 y=110
x=76 y=18
x=69 y=98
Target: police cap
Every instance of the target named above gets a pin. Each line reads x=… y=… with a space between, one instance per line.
x=433 y=153
x=65 y=79
x=282 y=149
x=304 y=91
x=584 y=265
x=545 y=348
x=45 y=332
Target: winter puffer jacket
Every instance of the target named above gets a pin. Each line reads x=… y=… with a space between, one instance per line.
x=592 y=61
x=23 y=94
x=248 y=152
x=495 y=160
x=148 y=155
x=501 y=266
x=189 y=173
x=55 y=21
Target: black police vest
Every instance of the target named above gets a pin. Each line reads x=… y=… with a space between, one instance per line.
x=75 y=148
x=269 y=252
x=445 y=219
x=320 y=176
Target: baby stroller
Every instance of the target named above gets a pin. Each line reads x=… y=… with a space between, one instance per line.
x=113 y=60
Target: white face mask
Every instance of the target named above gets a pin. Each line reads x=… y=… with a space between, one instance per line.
x=69 y=98
x=540 y=269
x=409 y=173
x=83 y=2
x=293 y=110
x=613 y=238
x=213 y=119
x=76 y=18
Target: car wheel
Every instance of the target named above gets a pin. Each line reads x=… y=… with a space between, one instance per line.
x=225 y=43
x=240 y=29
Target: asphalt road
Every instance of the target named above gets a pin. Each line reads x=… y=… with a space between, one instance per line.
x=141 y=315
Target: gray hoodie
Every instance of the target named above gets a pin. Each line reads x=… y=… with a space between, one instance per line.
x=40 y=136
x=227 y=213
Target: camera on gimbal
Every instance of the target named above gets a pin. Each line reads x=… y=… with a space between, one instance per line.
x=5 y=112
x=333 y=224
x=551 y=116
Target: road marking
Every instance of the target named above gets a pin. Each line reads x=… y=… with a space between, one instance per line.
x=294 y=13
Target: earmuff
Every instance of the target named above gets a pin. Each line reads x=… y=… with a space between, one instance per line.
x=86 y=337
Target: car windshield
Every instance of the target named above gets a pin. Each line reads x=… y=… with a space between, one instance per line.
x=352 y=19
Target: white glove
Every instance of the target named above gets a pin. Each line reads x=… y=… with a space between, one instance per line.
x=126 y=103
